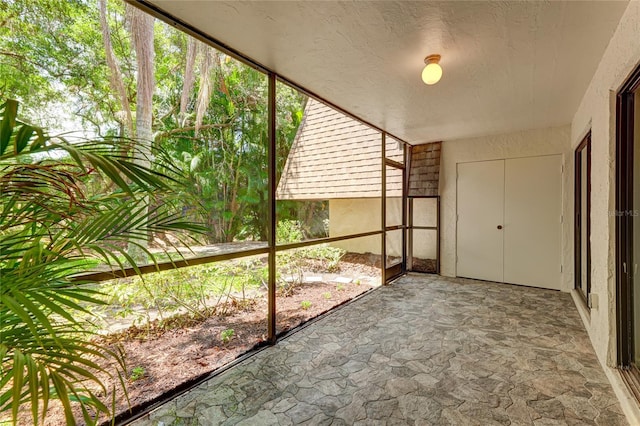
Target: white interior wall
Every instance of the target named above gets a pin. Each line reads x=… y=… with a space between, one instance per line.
x=514 y=145
x=597 y=112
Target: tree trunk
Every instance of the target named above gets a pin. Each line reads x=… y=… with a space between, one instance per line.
x=205 y=85
x=142 y=37
x=221 y=81
x=115 y=74
x=189 y=74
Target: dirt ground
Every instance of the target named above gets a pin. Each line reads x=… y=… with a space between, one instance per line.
x=170 y=357
x=424 y=265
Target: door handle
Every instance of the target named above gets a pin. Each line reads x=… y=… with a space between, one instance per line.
x=499 y=226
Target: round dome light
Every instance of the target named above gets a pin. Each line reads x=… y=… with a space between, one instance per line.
x=432 y=73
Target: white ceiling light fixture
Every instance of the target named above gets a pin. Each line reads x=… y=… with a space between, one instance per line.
x=432 y=73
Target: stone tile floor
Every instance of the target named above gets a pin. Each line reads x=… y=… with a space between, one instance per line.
x=425 y=350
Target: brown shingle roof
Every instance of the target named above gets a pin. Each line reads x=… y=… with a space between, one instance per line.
x=335 y=156
x=424 y=178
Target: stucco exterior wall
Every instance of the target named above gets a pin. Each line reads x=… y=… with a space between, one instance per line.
x=514 y=145
x=597 y=111
x=354 y=215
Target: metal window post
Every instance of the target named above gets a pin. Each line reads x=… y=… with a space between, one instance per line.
x=271 y=226
x=383 y=210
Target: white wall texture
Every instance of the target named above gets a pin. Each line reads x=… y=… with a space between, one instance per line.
x=521 y=144
x=597 y=111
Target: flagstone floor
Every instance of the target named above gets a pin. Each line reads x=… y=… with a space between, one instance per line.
x=425 y=350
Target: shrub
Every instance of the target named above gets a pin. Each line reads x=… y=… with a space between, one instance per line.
x=289 y=231
x=226 y=335
x=137 y=373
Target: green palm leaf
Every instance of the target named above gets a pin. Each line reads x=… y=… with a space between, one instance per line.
x=50 y=224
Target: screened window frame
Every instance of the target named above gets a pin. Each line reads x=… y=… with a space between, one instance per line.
x=271 y=248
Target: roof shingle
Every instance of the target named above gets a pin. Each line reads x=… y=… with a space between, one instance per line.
x=335 y=156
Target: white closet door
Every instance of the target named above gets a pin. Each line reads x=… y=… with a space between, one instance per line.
x=480 y=212
x=532 y=224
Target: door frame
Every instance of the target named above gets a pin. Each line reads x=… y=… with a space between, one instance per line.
x=393 y=271
x=579 y=221
x=624 y=227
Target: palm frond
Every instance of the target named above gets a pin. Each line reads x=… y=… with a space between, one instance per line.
x=51 y=223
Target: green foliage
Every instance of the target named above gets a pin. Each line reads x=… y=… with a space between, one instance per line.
x=226 y=335
x=51 y=224
x=289 y=231
x=327 y=255
x=53 y=59
x=310 y=220
x=137 y=373
x=340 y=287
x=201 y=290
x=68 y=205
x=226 y=157
x=292 y=264
x=305 y=304
x=327 y=295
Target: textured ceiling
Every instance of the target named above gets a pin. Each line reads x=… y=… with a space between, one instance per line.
x=508 y=65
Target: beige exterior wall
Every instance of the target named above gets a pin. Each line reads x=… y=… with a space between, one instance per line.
x=425 y=242
x=352 y=216
x=514 y=145
x=355 y=215
x=597 y=112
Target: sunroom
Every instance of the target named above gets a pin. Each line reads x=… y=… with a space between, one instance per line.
x=332 y=174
